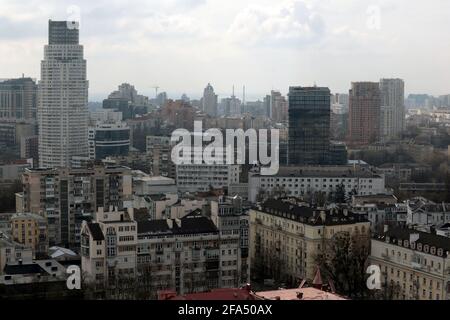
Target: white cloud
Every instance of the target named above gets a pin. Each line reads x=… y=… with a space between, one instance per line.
x=292 y=23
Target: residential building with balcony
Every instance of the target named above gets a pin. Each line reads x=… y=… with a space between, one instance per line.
x=286 y=237
x=414 y=265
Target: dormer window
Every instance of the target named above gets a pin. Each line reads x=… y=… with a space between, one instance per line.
x=426 y=248
x=440 y=252
x=400 y=242
x=419 y=247
x=413 y=245
x=406 y=243
x=433 y=250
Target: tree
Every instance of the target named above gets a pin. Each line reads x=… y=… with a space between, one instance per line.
x=344 y=262
x=339 y=195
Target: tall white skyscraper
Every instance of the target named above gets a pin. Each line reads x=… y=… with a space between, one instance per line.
x=392 y=108
x=209 y=101
x=63 y=98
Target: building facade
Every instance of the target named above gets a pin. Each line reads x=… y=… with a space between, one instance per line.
x=66 y=197
x=30 y=230
x=286 y=237
x=209 y=101
x=187 y=255
x=414 y=265
x=18 y=99
x=109 y=139
x=108 y=247
x=393 y=107
x=309 y=125
x=63 y=97
x=364 y=113
x=306 y=181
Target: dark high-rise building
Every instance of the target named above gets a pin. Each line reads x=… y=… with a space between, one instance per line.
x=364 y=113
x=63 y=32
x=18 y=99
x=309 y=125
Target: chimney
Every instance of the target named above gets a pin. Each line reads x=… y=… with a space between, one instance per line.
x=323 y=216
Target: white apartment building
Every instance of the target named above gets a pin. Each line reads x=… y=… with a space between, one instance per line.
x=62 y=99
x=201 y=177
x=108 y=246
x=414 y=265
x=302 y=181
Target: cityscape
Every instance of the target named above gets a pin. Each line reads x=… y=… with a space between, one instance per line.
x=302 y=193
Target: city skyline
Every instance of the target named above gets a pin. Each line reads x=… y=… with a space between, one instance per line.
x=300 y=43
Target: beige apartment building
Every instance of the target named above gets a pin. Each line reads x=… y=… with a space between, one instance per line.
x=67 y=196
x=286 y=236
x=30 y=230
x=414 y=265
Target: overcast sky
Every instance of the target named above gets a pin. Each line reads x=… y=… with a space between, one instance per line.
x=181 y=45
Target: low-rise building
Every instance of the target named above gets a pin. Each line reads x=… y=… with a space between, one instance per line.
x=414 y=265
x=30 y=230
x=304 y=181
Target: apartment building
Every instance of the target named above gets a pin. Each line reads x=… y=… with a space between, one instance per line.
x=108 y=246
x=286 y=237
x=30 y=230
x=187 y=255
x=67 y=196
x=203 y=177
x=304 y=181
x=232 y=221
x=159 y=149
x=415 y=265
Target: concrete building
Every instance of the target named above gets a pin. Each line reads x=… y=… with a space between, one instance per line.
x=364 y=113
x=63 y=97
x=30 y=230
x=187 y=255
x=209 y=101
x=159 y=149
x=278 y=107
x=108 y=246
x=203 y=177
x=305 y=181
x=414 y=264
x=286 y=237
x=66 y=197
x=18 y=99
x=233 y=223
x=393 y=107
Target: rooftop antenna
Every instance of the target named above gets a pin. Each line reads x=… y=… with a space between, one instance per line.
x=156 y=90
